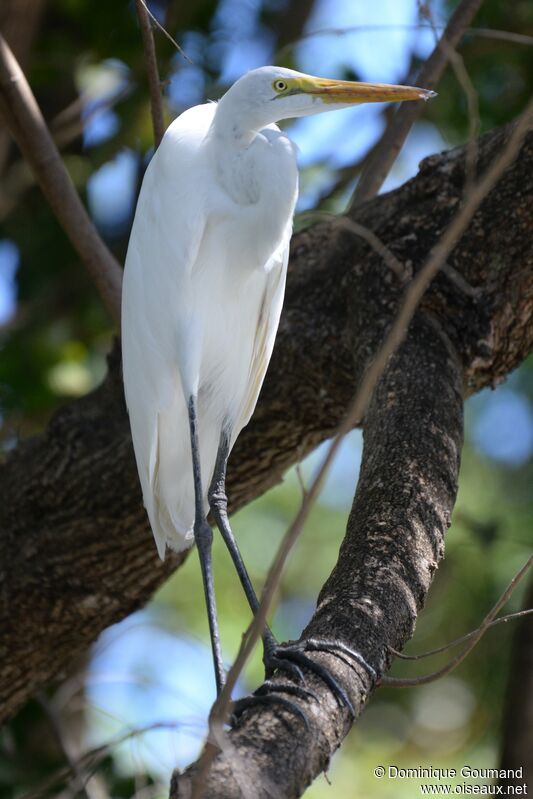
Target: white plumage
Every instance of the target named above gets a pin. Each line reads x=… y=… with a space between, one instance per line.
x=205 y=276
x=203 y=290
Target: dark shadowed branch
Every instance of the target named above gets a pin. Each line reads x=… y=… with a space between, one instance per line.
x=22 y=116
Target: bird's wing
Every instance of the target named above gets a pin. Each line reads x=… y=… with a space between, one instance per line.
x=157 y=304
x=267 y=326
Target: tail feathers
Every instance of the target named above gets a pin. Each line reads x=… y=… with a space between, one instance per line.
x=168 y=487
x=167 y=533
x=168 y=529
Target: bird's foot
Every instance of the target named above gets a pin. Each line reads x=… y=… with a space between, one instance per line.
x=292 y=658
x=268 y=695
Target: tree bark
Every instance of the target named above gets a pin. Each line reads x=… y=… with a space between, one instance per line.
x=393 y=542
x=76 y=553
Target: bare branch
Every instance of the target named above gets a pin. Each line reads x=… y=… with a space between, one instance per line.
x=90 y=760
x=154 y=84
x=165 y=32
x=22 y=116
x=472 y=99
x=378 y=166
x=461 y=640
x=19 y=22
x=475 y=638
x=64 y=128
x=78 y=783
x=344 y=223
x=482 y=33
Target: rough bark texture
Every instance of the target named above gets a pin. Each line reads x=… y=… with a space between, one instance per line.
x=75 y=551
x=393 y=542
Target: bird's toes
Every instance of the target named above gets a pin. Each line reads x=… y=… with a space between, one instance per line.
x=274 y=663
x=295 y=654
x=240 y=706
x=350 y=656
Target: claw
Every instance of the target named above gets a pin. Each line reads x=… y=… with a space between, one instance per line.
x=273 y=662
x=299 y=657
x=286 y=688
x=291 y=657
x=317 y=645
x=241 y=705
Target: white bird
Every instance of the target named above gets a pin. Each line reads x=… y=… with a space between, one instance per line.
x=203 y=291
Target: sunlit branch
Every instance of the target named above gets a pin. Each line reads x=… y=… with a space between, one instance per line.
x=154 y=84
x=165 y=32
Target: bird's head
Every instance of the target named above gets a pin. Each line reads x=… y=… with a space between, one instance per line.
x=269 y=94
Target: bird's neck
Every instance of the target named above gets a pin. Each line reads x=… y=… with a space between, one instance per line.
x=238 y=122
x=231 y=139
x=236 y=129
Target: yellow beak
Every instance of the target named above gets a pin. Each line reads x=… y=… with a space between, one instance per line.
x=346 y=91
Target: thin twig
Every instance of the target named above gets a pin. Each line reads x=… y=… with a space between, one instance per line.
x=78 y=782
x=154 y=84
x=165 y=32
x=92 y=759
x=404 y=682
x=472 y=99
x=19 y=177
x=483 y=33
x=412 y=296
x=344 y=223
x=392 y=140
x=23 y=117
x=461 y=639
x=301 y=480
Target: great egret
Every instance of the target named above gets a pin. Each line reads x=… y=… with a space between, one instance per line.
x=203 y=290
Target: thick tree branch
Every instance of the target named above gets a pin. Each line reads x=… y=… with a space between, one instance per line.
x=393 y=543
x=74 y=532
x=24 y=120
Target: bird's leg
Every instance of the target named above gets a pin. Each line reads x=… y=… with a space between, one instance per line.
x=290 y=658
x=203 y=536
x=218 y=503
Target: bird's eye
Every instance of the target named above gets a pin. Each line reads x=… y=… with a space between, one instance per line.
x=280 y=85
